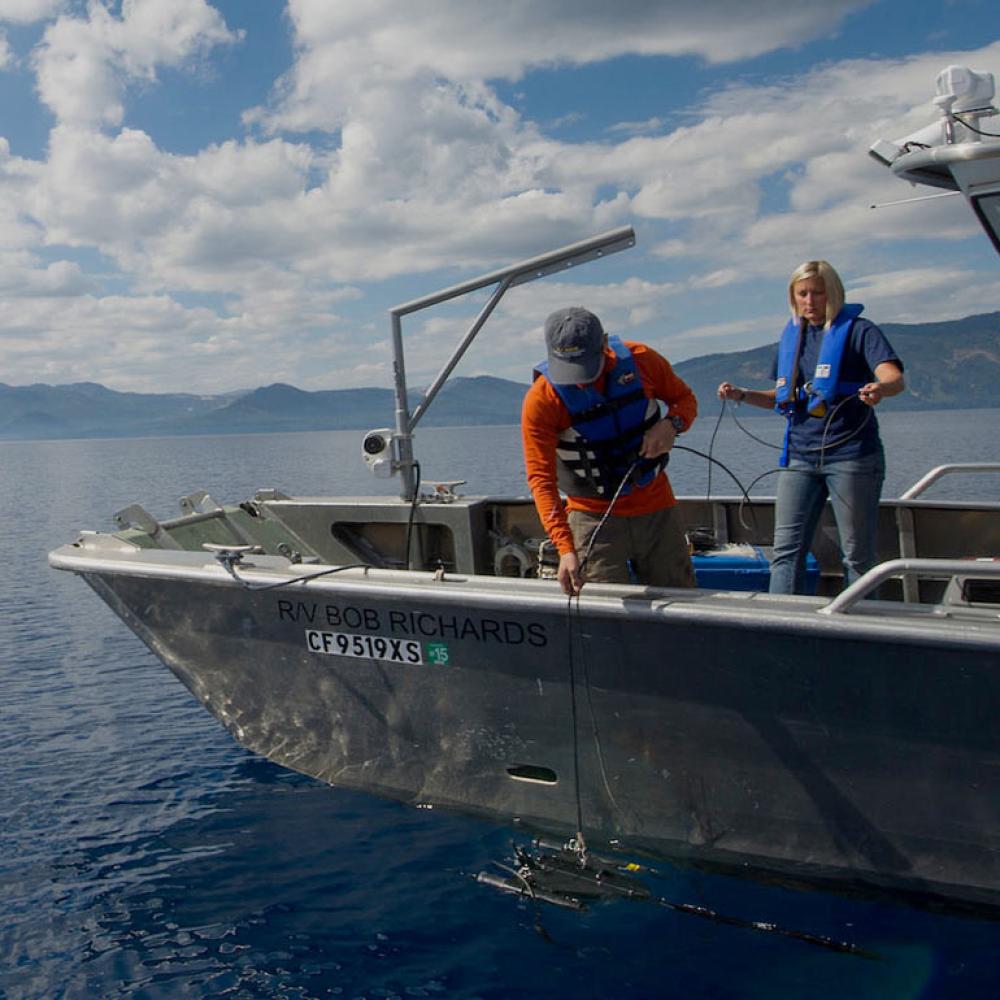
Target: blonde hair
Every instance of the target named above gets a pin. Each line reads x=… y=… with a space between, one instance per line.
x=831 y=281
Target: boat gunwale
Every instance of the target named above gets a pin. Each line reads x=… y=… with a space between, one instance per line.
x=758 y=611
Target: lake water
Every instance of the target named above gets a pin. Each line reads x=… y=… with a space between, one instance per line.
x=144 y=854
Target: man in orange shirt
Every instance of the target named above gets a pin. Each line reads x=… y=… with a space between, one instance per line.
x=591 y=427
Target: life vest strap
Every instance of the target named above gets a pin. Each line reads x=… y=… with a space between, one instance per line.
x=610 y=406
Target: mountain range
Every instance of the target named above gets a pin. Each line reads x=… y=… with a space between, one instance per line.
x=949 y=365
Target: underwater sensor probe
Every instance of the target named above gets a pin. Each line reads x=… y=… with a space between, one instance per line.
x=563 y=876
x=559 y=874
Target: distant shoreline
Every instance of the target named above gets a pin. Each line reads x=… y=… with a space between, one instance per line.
x=950 y=365
x=704 y=417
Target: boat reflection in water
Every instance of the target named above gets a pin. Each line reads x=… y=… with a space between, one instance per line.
x=416 y=648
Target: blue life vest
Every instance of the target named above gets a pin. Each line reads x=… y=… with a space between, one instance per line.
x=595 y=453
x=825 y=387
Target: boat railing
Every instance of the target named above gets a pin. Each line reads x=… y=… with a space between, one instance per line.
x=940 y=471
x=904 y=515
x=909 y=568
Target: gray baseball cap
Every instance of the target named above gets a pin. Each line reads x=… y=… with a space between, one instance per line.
x=574 y=339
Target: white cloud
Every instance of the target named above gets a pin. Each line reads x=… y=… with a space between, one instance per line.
x=431 y=161
x=29 y=11
x=345 y=50
x=22 y=276
x=654 y=125
x=808 y=137
x=925 y=294
x=710 y=338
x=83 y=63
x=185 y=221
x=710 y=180
x=448 y=174
x=153 y=343
x=717 y=279
x=17 y=179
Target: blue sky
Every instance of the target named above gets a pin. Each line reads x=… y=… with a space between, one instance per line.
x=204 y=196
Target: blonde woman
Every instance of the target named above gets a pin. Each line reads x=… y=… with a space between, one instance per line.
x=831 y=370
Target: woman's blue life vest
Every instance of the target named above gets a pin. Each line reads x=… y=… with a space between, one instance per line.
x=825 y=387
x=597 y=451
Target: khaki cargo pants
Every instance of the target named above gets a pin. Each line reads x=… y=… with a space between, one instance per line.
x=649 y=549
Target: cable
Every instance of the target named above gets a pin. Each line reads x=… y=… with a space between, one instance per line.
x=770 y=472
x=593 y=726
x=581 y=850
x=820 y=940
x=530 y=890
x=581 y=844
x=745 y=498
x=725 y=468
x=611 y=506
x=824 y=445
x=767 y=444
x=246 y=585
x=413 y=510
x=847 y=437
x=517 y=874
x=711 y=448
x=957 y=115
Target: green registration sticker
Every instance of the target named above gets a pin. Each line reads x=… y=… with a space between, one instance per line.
x=437 y=653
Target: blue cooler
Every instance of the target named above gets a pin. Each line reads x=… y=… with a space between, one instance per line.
x=742 y=567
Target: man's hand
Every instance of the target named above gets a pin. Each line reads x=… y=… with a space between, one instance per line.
x=658 y=440
x=571 y=575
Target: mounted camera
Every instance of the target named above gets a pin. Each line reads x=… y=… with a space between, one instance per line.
x=380 y=453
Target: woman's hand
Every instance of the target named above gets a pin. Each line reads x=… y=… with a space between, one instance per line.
x=727 y=390
x=888 y=382
x=871 y=394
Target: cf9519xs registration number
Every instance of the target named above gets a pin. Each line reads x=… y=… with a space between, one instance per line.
x=366 y=647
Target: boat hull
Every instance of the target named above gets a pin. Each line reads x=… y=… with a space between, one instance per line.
x=737 y=731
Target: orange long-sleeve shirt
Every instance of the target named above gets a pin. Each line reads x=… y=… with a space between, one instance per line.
x=544 y=417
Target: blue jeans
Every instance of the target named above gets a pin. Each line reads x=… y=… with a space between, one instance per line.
x=853 y=487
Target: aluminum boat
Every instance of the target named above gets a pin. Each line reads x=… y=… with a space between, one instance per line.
x=418 y=647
